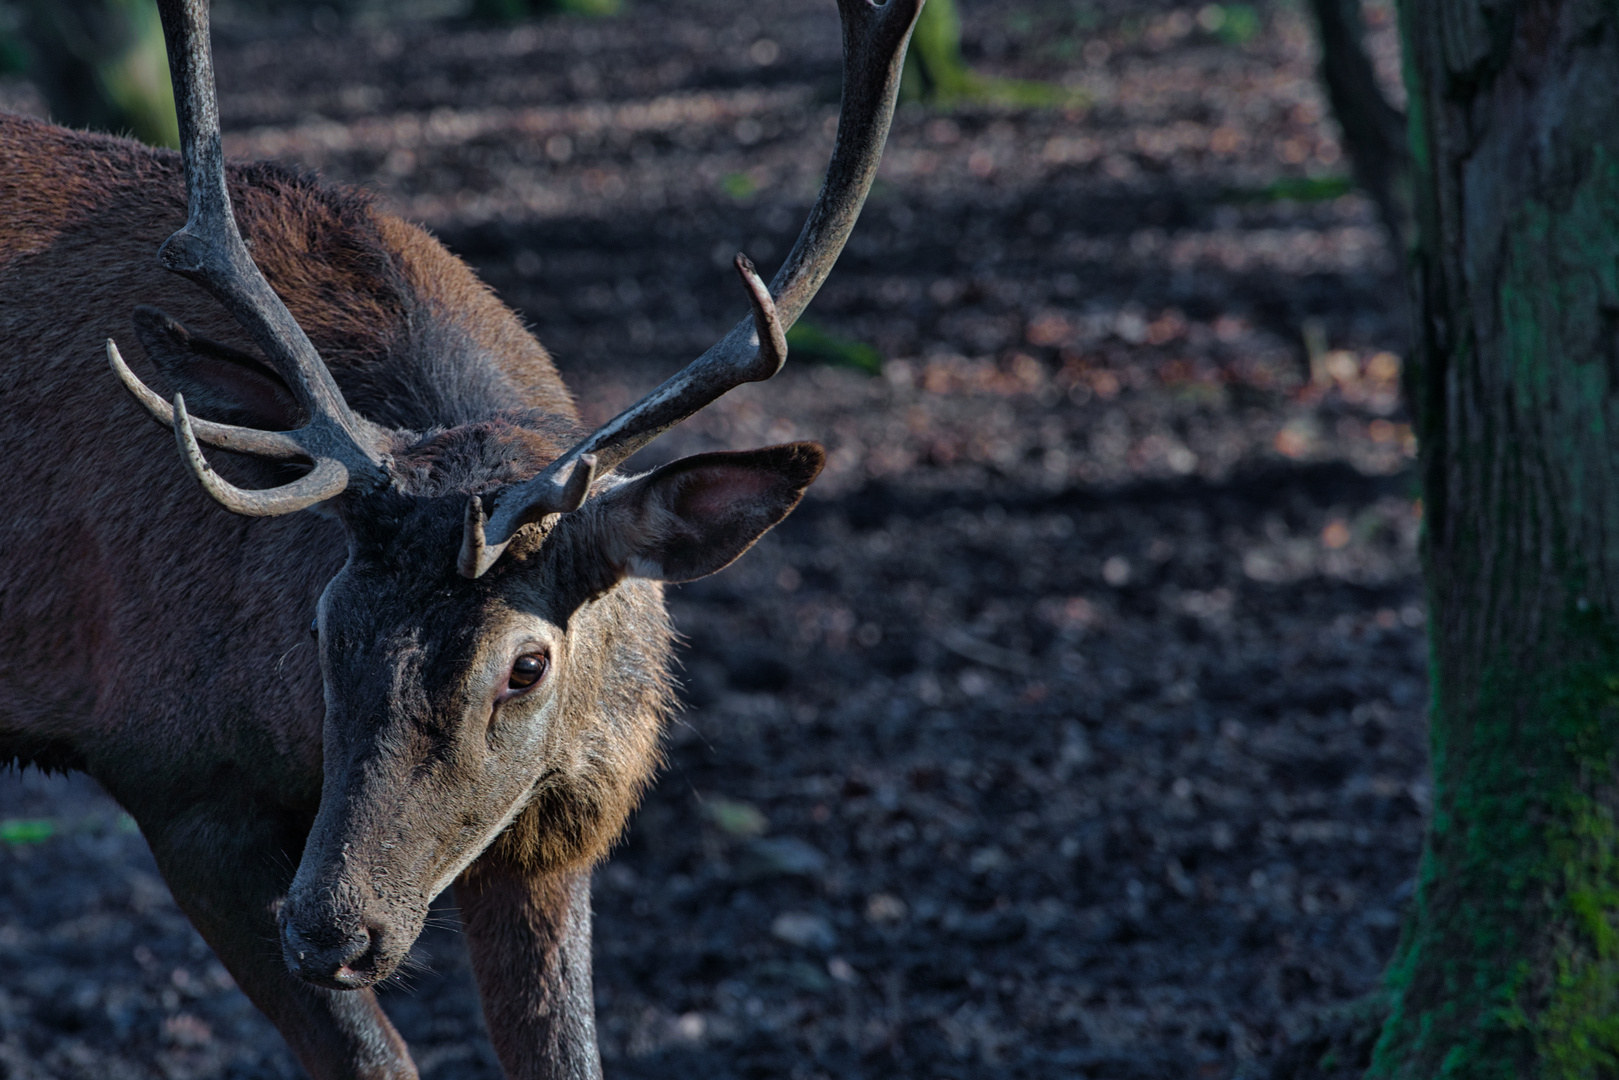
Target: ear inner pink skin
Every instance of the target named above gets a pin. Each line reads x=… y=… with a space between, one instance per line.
x=694 y=516
x=721 y=488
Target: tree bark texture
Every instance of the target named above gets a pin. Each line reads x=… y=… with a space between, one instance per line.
x=1509 y=962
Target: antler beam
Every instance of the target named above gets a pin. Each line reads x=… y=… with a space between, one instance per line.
x=874 y=39
x=209 y=250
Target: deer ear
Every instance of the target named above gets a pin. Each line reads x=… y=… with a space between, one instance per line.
x=219 y=382
x=696 y=515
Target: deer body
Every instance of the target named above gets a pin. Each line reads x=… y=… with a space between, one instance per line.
x=481 y=700
x=170 y=640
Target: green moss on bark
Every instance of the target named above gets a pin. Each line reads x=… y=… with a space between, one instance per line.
x=1510 y=964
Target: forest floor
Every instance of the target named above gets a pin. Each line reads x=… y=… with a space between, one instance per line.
x=1073 y=726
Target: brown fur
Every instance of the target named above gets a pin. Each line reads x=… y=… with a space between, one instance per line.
x=157 y=642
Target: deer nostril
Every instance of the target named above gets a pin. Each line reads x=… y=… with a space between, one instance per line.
x=342 y=961
x=362 y=958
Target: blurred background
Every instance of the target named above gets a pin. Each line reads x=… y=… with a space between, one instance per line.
x=1073 y=725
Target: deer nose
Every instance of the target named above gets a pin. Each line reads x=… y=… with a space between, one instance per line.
x=336 y=958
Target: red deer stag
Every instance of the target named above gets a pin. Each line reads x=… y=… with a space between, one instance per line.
x=483 y=699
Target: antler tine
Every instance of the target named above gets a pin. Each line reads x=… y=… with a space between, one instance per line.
x=478 y=554
x=267 y=444
x=874 y=40
x=327 y=479
x=209 y=250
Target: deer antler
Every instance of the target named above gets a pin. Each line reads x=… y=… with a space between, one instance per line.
x=209 y=250
x=268 y=444
x=874 y=39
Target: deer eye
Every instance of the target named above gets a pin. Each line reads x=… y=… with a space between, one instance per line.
x=527 y=670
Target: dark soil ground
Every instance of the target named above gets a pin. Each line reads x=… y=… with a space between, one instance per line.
x=1073 y=725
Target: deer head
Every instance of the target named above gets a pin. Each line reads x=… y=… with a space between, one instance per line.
x=498 y=623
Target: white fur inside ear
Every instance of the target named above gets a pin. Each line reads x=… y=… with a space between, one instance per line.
x=642 y=567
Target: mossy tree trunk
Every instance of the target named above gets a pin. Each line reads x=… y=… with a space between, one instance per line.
x=1509 y=962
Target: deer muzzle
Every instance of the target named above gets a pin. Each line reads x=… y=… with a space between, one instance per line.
x=343 y=945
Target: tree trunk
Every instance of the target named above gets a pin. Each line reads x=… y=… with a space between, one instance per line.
x=1374 y=130
x=1509 y=962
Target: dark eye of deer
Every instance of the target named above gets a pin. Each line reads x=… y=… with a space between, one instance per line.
x=527 y=670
